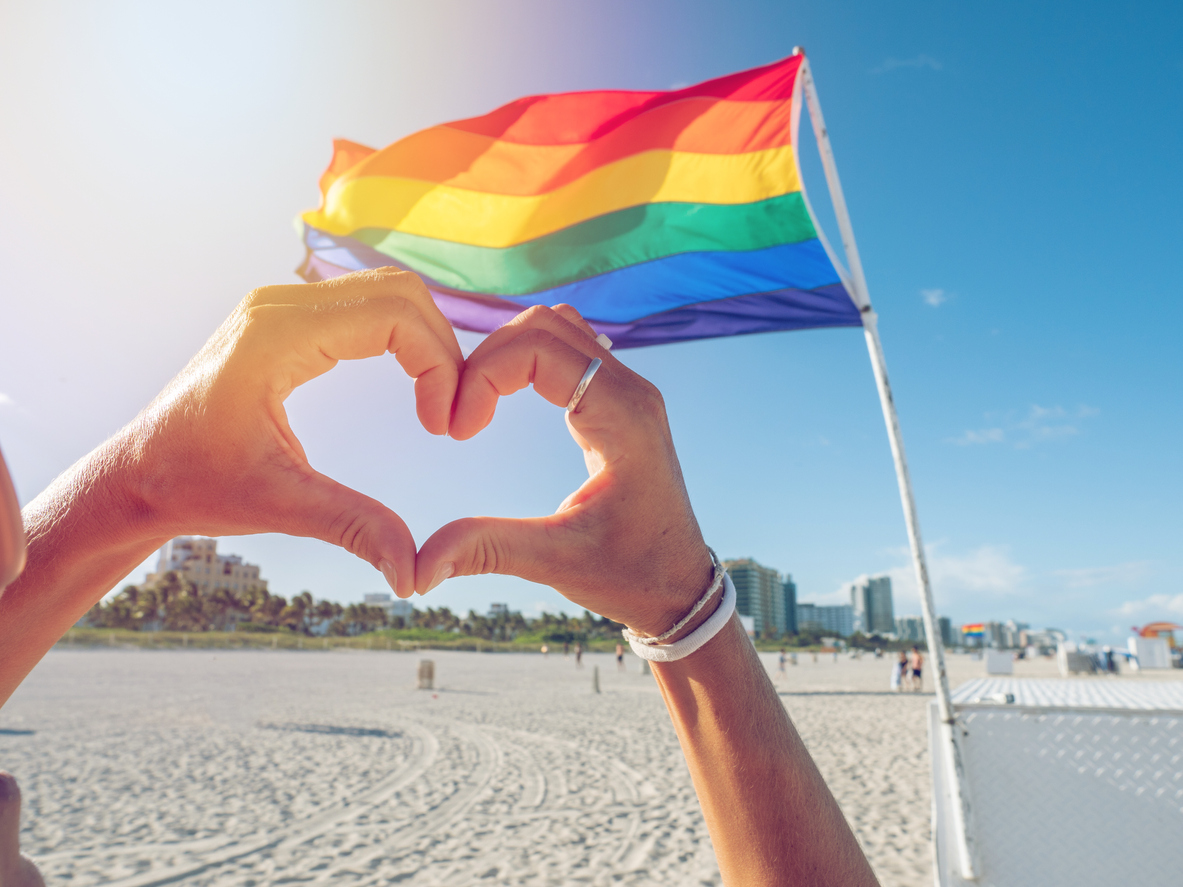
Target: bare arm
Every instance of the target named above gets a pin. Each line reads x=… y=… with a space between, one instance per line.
x=770 y=814
x=626 y=545
x=214 y=455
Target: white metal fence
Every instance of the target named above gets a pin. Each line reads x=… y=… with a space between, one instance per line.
x=1059 y=795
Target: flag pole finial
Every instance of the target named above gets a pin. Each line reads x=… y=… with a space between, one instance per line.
x=798 y=50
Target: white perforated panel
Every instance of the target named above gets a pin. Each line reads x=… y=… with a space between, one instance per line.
x=1071 y=797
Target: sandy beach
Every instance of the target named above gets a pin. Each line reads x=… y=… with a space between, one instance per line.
x=256 y=767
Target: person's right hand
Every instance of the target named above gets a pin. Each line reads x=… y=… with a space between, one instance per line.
x=626 y=544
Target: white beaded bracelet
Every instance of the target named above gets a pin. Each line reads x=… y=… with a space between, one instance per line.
x=687 y=645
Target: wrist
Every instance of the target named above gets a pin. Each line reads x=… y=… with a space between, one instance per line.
x=681 y=588
x=97 y=505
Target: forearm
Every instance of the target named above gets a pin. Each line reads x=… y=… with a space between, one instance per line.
x=771 y=817
x=88 y=530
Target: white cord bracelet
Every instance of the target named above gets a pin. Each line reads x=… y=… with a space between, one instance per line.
x=687 y=645
x=716 y=582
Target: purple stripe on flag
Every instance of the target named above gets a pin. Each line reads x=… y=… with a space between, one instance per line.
x=787 y=309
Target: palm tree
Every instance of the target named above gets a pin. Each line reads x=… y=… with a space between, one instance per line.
x=326 y=613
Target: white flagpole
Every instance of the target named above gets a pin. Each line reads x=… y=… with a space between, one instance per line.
x=858 y=285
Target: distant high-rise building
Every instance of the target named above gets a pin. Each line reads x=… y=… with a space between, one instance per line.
x=837 y=620
x=946 y=625
x=790 y=599
x=498 y=610
x=870 y=599
x=911 y=629
x=1005 y=635
x=760 y=594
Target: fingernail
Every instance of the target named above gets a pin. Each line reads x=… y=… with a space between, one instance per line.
x=443 y=572
x=390 y=573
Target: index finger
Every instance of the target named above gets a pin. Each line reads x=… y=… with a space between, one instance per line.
x=404 y=284
x=306 y=329
x=542 y=348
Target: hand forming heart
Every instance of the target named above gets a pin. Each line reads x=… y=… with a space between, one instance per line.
x=216 y=455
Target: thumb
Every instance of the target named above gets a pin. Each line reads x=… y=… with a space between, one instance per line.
x=525 y=547
x=327 y=510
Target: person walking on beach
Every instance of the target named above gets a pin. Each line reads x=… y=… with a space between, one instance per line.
x=783 y=657
x=916 y=667
x=619 y=656
x=899 y=672
x=545 y=651
x=578 y=655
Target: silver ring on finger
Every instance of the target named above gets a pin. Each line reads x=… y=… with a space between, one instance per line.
x=584 y=381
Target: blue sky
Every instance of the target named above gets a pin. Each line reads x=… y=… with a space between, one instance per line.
x=1012 y=174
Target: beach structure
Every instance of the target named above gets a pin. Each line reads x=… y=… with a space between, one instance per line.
x=426 y=674
x=1149 y=652
x=196 y=559
x=1153 y=645
x=1067 y=781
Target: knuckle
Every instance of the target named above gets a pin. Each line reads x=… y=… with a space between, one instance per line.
x=535 y=314
x=348 y=532
x=653 y=395
x=261 y=295
x=488 y=555
x=539 y=339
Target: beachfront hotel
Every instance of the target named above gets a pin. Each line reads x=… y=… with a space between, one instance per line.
x=763 y=596
x=196 y=559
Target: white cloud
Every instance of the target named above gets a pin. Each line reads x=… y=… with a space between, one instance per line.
x=1155 y=605
x=6 y=401
x=935 y=298
x=1052 y=423
x=1118 y=574
x=1038 y=425
x=985 y=570
x=918 y=62
x=980 y=436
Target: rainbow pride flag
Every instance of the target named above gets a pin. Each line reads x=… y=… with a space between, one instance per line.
x=661 y=216
x=976 y=630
